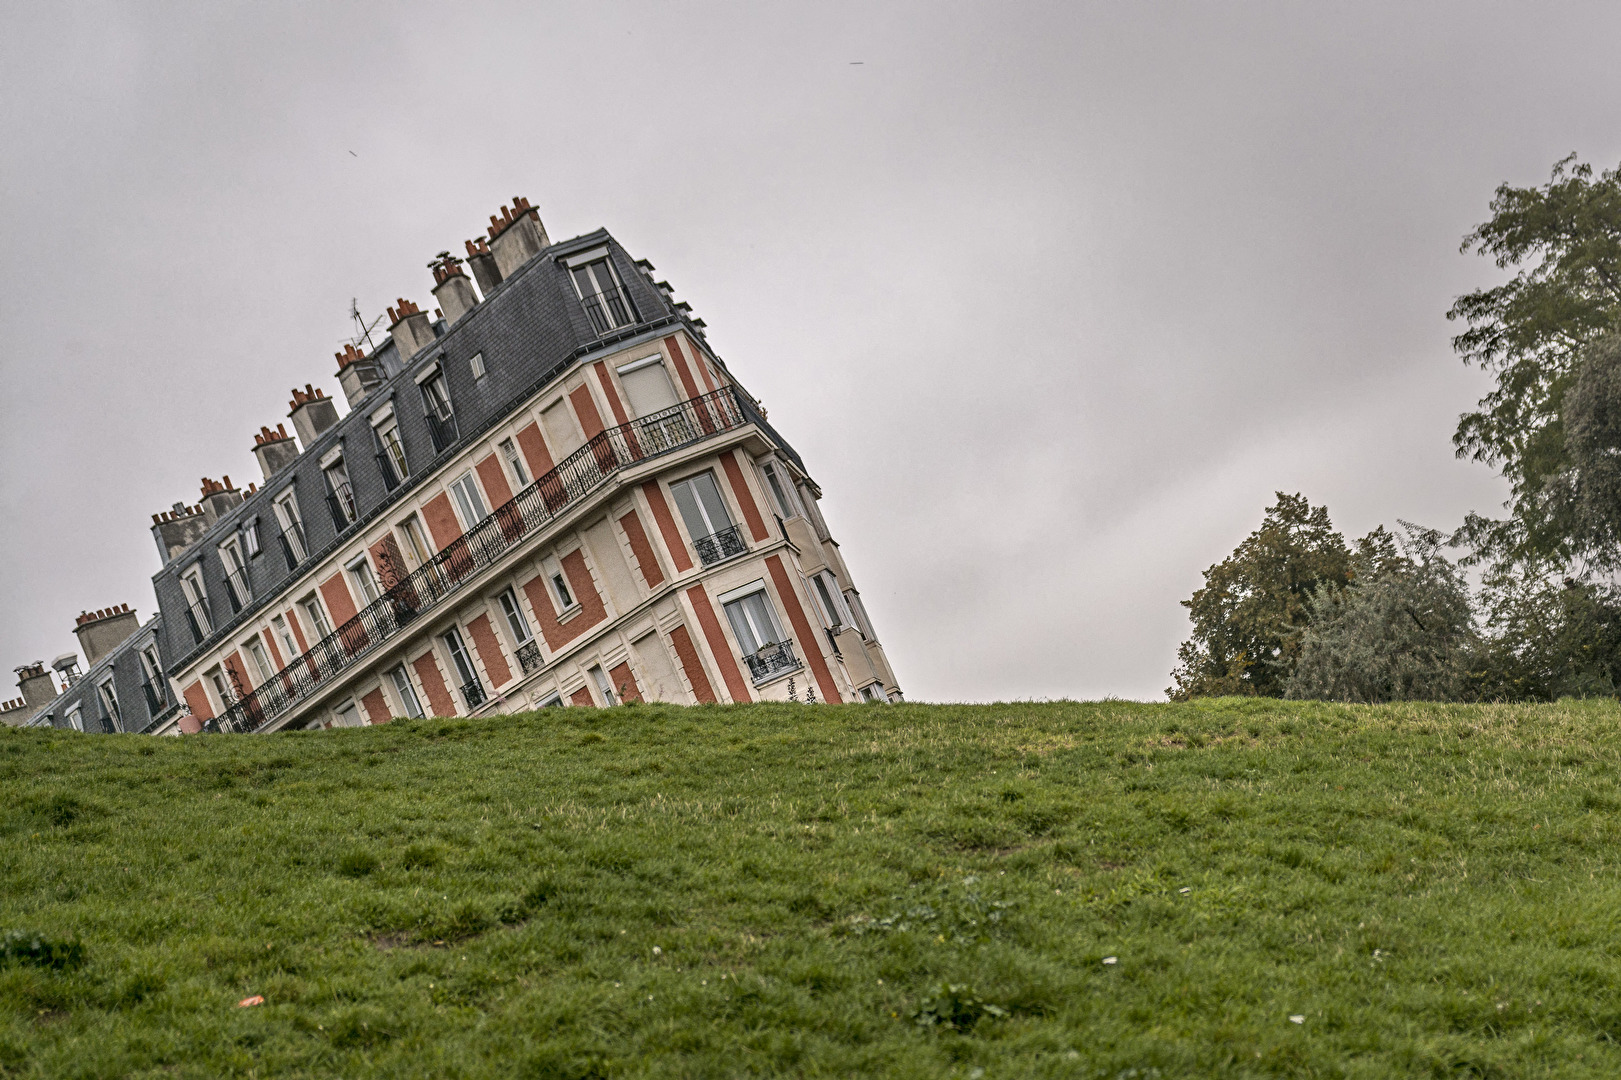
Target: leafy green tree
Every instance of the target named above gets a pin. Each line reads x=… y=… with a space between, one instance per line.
x=1547 y=636
x=1591 y=484
x=1401 y=631
x=1565 y=240
x=1249 y=617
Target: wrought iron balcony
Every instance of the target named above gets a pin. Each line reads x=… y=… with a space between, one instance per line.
x=341 y=501
x=154 y=704
x=473 y=694
x=771 y=661
x=529 y=656
x=722 y=545
x=578 y=476
x=609 y=310
x=443 y=431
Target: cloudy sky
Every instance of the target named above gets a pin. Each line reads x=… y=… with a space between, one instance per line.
x=1051 y=298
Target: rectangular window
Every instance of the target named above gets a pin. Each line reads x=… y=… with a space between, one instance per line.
x=339 y=496
x=109 y=701
x=285 y=636
x=515 y=617
x=753 y=622
x=813 y=513
x=250 y=537
x=464 y=489
x=76 y=719
x=648 y=387
x=558 y=584
x=779 y=487
x=552 y=702
x=191 y=583
x=604 y=687
x=515 y=464
x=261 y=659
x=317 y=616
x=875 y=693
x=858 y=610
x=347 y=715
x=830 y=601
x=236 y=575
x=365 y=581
x=222 y=690
x=703 y=510
x=391 y=452
x=605 y=301
x=436 y=407
x=414 y=544
x=405 y=692
x=476 y=365
x=472 y=688
x=154 y=683
x=292 y=528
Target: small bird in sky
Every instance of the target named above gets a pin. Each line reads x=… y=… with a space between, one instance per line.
x=853 y=62
x=353 y=154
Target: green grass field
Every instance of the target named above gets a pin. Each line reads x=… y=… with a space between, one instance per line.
x=785 y=890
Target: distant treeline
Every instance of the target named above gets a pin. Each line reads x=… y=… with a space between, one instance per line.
x=1296 y=612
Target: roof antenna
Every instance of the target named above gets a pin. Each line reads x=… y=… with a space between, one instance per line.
x=364 y=333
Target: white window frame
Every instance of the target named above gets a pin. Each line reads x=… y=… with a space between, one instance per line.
x=109 y=701
x=387 y=430
x=291 y=522
x=336 y=466
x=278 y=624
x=465 y=489
x=824 y=587
x=779 y=487
x=196 y=593
x=215 y=679
x=405 y=690
x=416 y=548
x=316 y=610
x=509 y=450
x=349 y=709
x=232 y=559
x=255 y=648
x=151 y=668
x=250 y=537
x=517 y=621
x=690 y=483
x=604 y=685
x=775 y=634
x=364 y=579
x=76 y=718
x=555 y=578
x=475 y=364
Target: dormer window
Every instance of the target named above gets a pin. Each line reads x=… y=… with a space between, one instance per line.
x=292 y=528
x=605 y=300
x=237 y=590
x=436 y=408
x=390 y=450
x=339 y=496
x=191 y=583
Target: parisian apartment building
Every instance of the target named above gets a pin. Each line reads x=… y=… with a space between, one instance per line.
x=549 y=492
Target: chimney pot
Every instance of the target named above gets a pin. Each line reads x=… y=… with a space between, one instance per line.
x=516 y=236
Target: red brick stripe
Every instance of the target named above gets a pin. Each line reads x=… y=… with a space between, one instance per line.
x=646 y=561
x=718 y=646
x=376 y=708
x=439 y=702
x=687 y=653
x=745 y=498
x=808 y=642
x=489 y=650
x=673 y=543
x=624 y=683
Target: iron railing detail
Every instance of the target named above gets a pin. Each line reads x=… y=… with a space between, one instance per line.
x=293 y=559
x=609 y=310
x=529 y=656
x=722 y=545
x=237 y=591
x=771 y=661
x=197 y=618
x=341 y=501
x=443 y=431
x=473 y=694
x=154 y=705
x=425 y=588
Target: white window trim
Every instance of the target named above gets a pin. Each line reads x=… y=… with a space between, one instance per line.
x=383 y=415
x=332 y=456
x=757 y=585
x=426 y=373
x=637 y=365
x=572 y=261
x=552 y=567
x=477 y=366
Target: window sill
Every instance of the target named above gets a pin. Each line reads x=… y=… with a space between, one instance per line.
x=569 y=612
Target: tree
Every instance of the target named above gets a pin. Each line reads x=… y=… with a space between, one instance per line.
x=1548 y=636
x=1591 y=483
x=1249 y=617
x=1401 y=631
x=1529 y=332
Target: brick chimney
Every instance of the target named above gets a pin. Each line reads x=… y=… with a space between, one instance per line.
x=410 y=329
x=100 y=632
x=358 y=374
x=275 y=450
x=483 y=264
x=38 y=688
x=451 y=287
x=516 y=236
x=177 y=529
x=311 y=412
x=218 y=499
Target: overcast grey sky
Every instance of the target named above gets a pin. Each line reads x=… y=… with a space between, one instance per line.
x=1051 y=298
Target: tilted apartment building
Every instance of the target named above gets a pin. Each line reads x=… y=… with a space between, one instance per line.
x=555 y=493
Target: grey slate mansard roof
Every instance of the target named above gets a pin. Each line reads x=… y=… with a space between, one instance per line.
x=530 y=329
x=124 y=664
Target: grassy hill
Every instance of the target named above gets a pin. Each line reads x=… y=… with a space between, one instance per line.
x=1285 y=889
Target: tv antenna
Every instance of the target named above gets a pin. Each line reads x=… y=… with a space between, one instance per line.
x=363 y=329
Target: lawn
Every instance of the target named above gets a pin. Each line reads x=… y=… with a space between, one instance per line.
x=1109 y=890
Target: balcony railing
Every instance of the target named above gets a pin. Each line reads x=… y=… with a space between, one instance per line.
x=473 y=694
x=341 y=501
x=722 y=545
x=287 y=552
x=237 y=591
x=609 y=310
x=537 y=505
x=154 y=704
x=197 y=619
x=771 y=661
x=443 y=431
x=529 y=657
